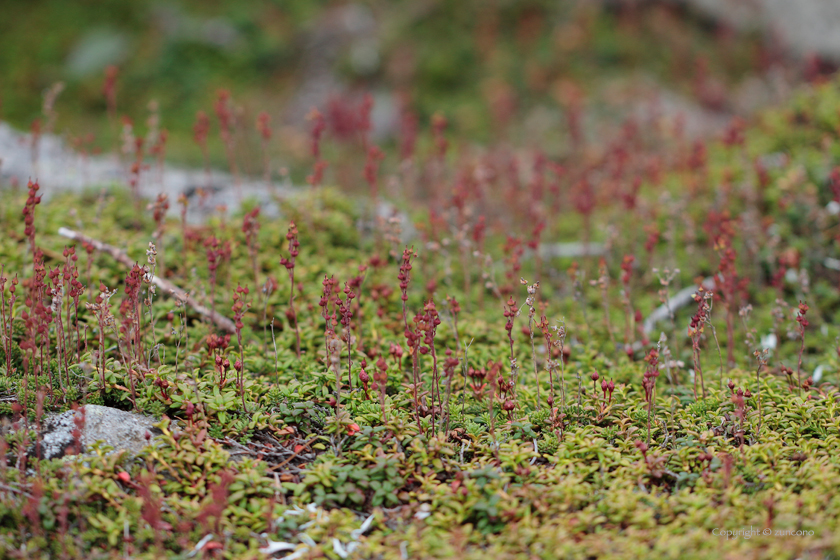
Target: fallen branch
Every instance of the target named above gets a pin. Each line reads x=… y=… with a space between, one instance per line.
x=220 y=320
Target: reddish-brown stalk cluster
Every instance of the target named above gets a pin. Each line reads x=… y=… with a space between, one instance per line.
x=727 y=282
x=32 y=200
x=333 y=345
x=294 y=251
x=426 y=326
x=37 y=321
x=345 y=312
x=404 y=278
x=131 y=328
x=608 y=387
x=239 y=307
x=216 y=346
x=649 y=383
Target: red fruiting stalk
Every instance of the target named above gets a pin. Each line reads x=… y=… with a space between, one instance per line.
x=37 y=320
x=761 y=358
x=802 y=323
x=514 y=249
x=727 y=281
x=201 y=129
x=318 y=128
x=216 y=503
x=364 y=124
x=380 y=380
x=227 y=123
x=35 y=131
x=740 y=411
x=404 y=277
x=492 y=374
x=57 y=297
x=158 y=151
x=109 y=90
x=629 y=315
x=70 y=277
x=346 y=312
x=449 y=365
x=6 y=315
x=105 y=320
x=134 y=171
x=355 y=284
x=240 y=306
x=374 y=156
x=603 y=283
x=130 y=331
x=32 y=200
x=412 y=338
x=159 y=209
x=264 y=128
x=408 y=132
x=214 y=256
x=294 y=250
x=649 y=383
x=695 y=330
x=329 y=332
x=577 y=277
x=439 y=124
x=217 y=345
x=584 y=202
x=185 y=240
x=532 y=313
x=510 y=313
x=534 y=244
x=550 y=364
x=251 y=229
x=428 y=325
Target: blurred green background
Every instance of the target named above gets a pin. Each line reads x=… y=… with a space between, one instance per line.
x=491 y=66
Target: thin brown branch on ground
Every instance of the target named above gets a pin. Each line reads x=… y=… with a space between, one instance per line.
x=220 y=320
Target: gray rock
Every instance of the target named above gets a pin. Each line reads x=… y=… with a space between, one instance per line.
x=803 y=26
x=59 y=168
x=96 y=50
x=117 y=428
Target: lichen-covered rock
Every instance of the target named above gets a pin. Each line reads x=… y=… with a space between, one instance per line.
x=116 y=428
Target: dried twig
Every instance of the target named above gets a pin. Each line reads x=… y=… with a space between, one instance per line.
x=221 y=321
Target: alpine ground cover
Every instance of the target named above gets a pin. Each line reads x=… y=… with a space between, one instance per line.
x=338 y=381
